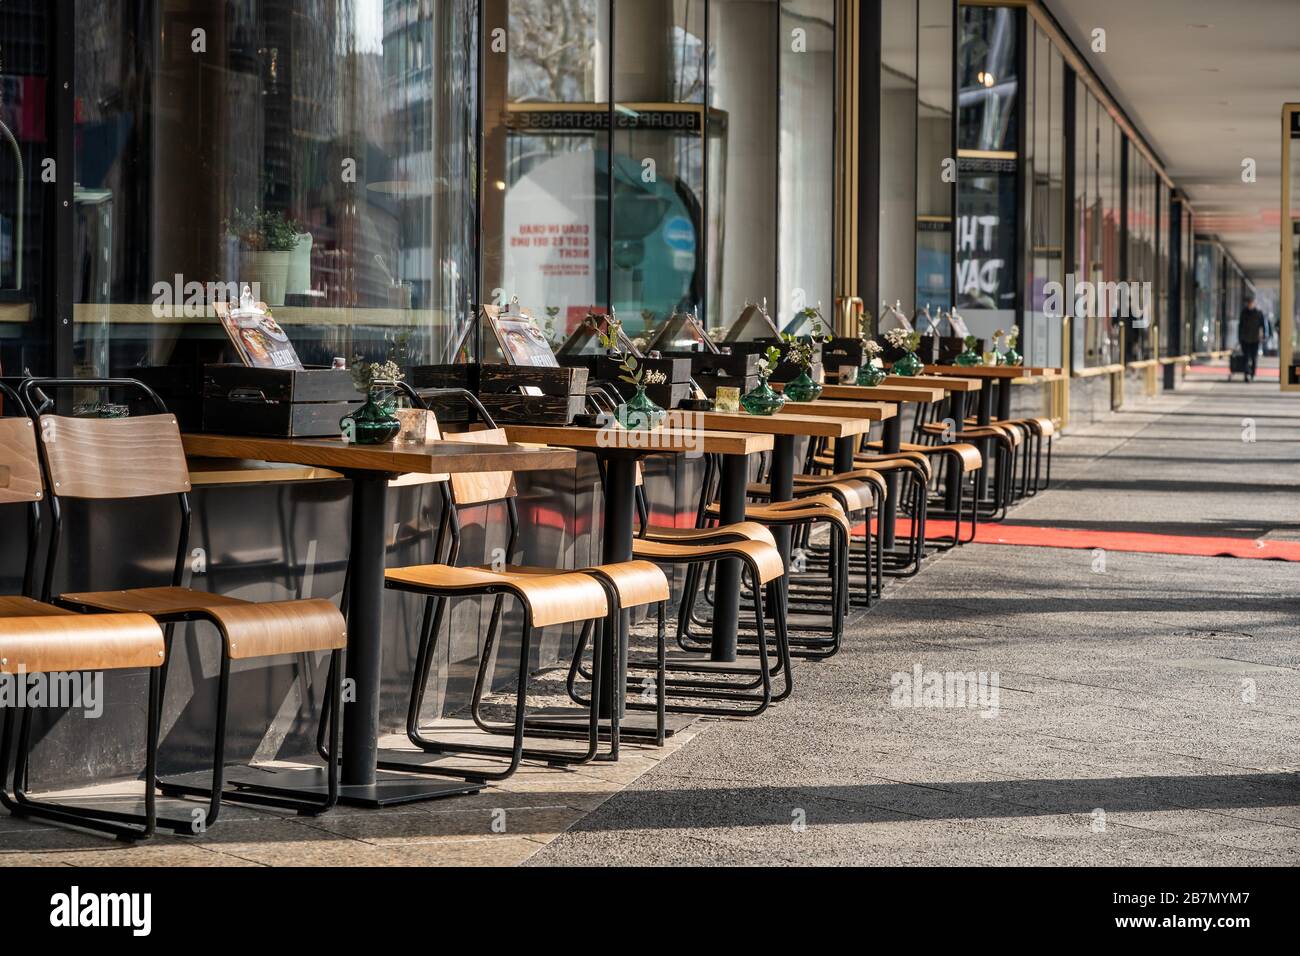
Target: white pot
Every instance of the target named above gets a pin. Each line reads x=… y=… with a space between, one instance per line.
x=270 y=270
x=299 y=280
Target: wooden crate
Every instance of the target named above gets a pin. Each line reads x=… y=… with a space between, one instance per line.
x=563 y=393
x=282 y=403
x=666 y=395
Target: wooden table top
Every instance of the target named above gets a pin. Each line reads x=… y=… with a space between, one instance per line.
x=885 y=393
x=232 y=471
x=650 y=441
x=945 y=382
x=988 y=371
x=427 y=458
x=820 y=426
x=839 y=408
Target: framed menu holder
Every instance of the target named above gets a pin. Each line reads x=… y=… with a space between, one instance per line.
x=1289 y=309
x=682 y=333
x=584 y=340
x=258 y=339
x=521 y=341
x=753 y=325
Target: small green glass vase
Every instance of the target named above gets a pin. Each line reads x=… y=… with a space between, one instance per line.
x=762 y=400
x=909 y=364
x=639 y=412
x=871 y=375
x=1011 y=357
x=802 y=388
x=969 y=358
x=371 y=424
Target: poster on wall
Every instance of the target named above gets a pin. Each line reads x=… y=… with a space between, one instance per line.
x=550 y=235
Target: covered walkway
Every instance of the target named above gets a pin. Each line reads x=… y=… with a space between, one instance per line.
x=1147 y=708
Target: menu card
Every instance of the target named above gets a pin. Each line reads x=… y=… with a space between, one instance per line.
x=258 y=339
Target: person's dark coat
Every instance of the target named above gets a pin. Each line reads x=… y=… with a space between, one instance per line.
x=1251 y=326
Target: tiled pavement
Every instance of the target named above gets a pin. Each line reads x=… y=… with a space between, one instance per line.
x=1148 y=714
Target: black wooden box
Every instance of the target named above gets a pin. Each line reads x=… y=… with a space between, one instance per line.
x=449 y=410
x=563 y=393
x=667 y=394
x=728 y=370
x=179 y=386
x=283 y=403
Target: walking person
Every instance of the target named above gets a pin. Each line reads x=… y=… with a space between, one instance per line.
x=1251 y=328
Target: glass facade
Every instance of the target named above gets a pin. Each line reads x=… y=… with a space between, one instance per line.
x=988 y=144
x=380 y=167
x=324 y=151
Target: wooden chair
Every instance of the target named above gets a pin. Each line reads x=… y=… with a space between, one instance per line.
x=39 y=638
x=801 y=514
x=548 y=597
x=142 y=457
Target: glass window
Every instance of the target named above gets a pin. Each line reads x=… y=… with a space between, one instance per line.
x=987 y=203
x=934 y=145
x=325 y=155
x=658 y=242
x=25 y=342
x=546 y=159
x=807 y=173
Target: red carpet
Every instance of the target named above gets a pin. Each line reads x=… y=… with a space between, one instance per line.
x=1137 y=541
x=1221 y=371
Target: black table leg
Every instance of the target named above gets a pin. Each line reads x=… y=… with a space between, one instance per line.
x=1004 y=399
x=781 y=480
x=984 y=415
x=726 y=596
x=365 y=624
x=361 y=783
x=845 y=448
x=952 y=492
x=890 y=442
x=616 y=546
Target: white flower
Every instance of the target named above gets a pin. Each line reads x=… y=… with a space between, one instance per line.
x=899 y=338
x=872 y=348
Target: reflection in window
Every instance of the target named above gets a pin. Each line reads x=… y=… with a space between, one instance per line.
x=324 y=151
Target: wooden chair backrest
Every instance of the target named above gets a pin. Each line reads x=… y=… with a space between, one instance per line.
x=20 y=463
x=107 y=458
x=477 y=489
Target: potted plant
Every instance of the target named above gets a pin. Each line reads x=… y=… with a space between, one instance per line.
x=970 y=357
x=639 y=411
x=267 y=241
x=763 y=399
x=872 y=372
x=1011 y=356
x=800 y=352
x=908 y=342
x=374 y=422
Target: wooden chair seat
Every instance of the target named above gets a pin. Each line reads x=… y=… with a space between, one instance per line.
x=765 y=557
x=55 y=641
x=978 y=432
x=971 y=459
x=636 y=583
x=737 y=531
x=902 y=461
x=27 y=607
x=249 y=629
x=557 y=597
x=854 y=490
x=820 y=507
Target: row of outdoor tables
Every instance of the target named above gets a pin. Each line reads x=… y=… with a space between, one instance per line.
x=843 y=413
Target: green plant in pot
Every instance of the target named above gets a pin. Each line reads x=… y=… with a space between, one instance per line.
x=908 y=342
x=374 y=422
x=763 y=399
x=1011 y=356
x=800 y=352
x=970 y=356
x=638 y=412
x=872 y=372
x=267 y=241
